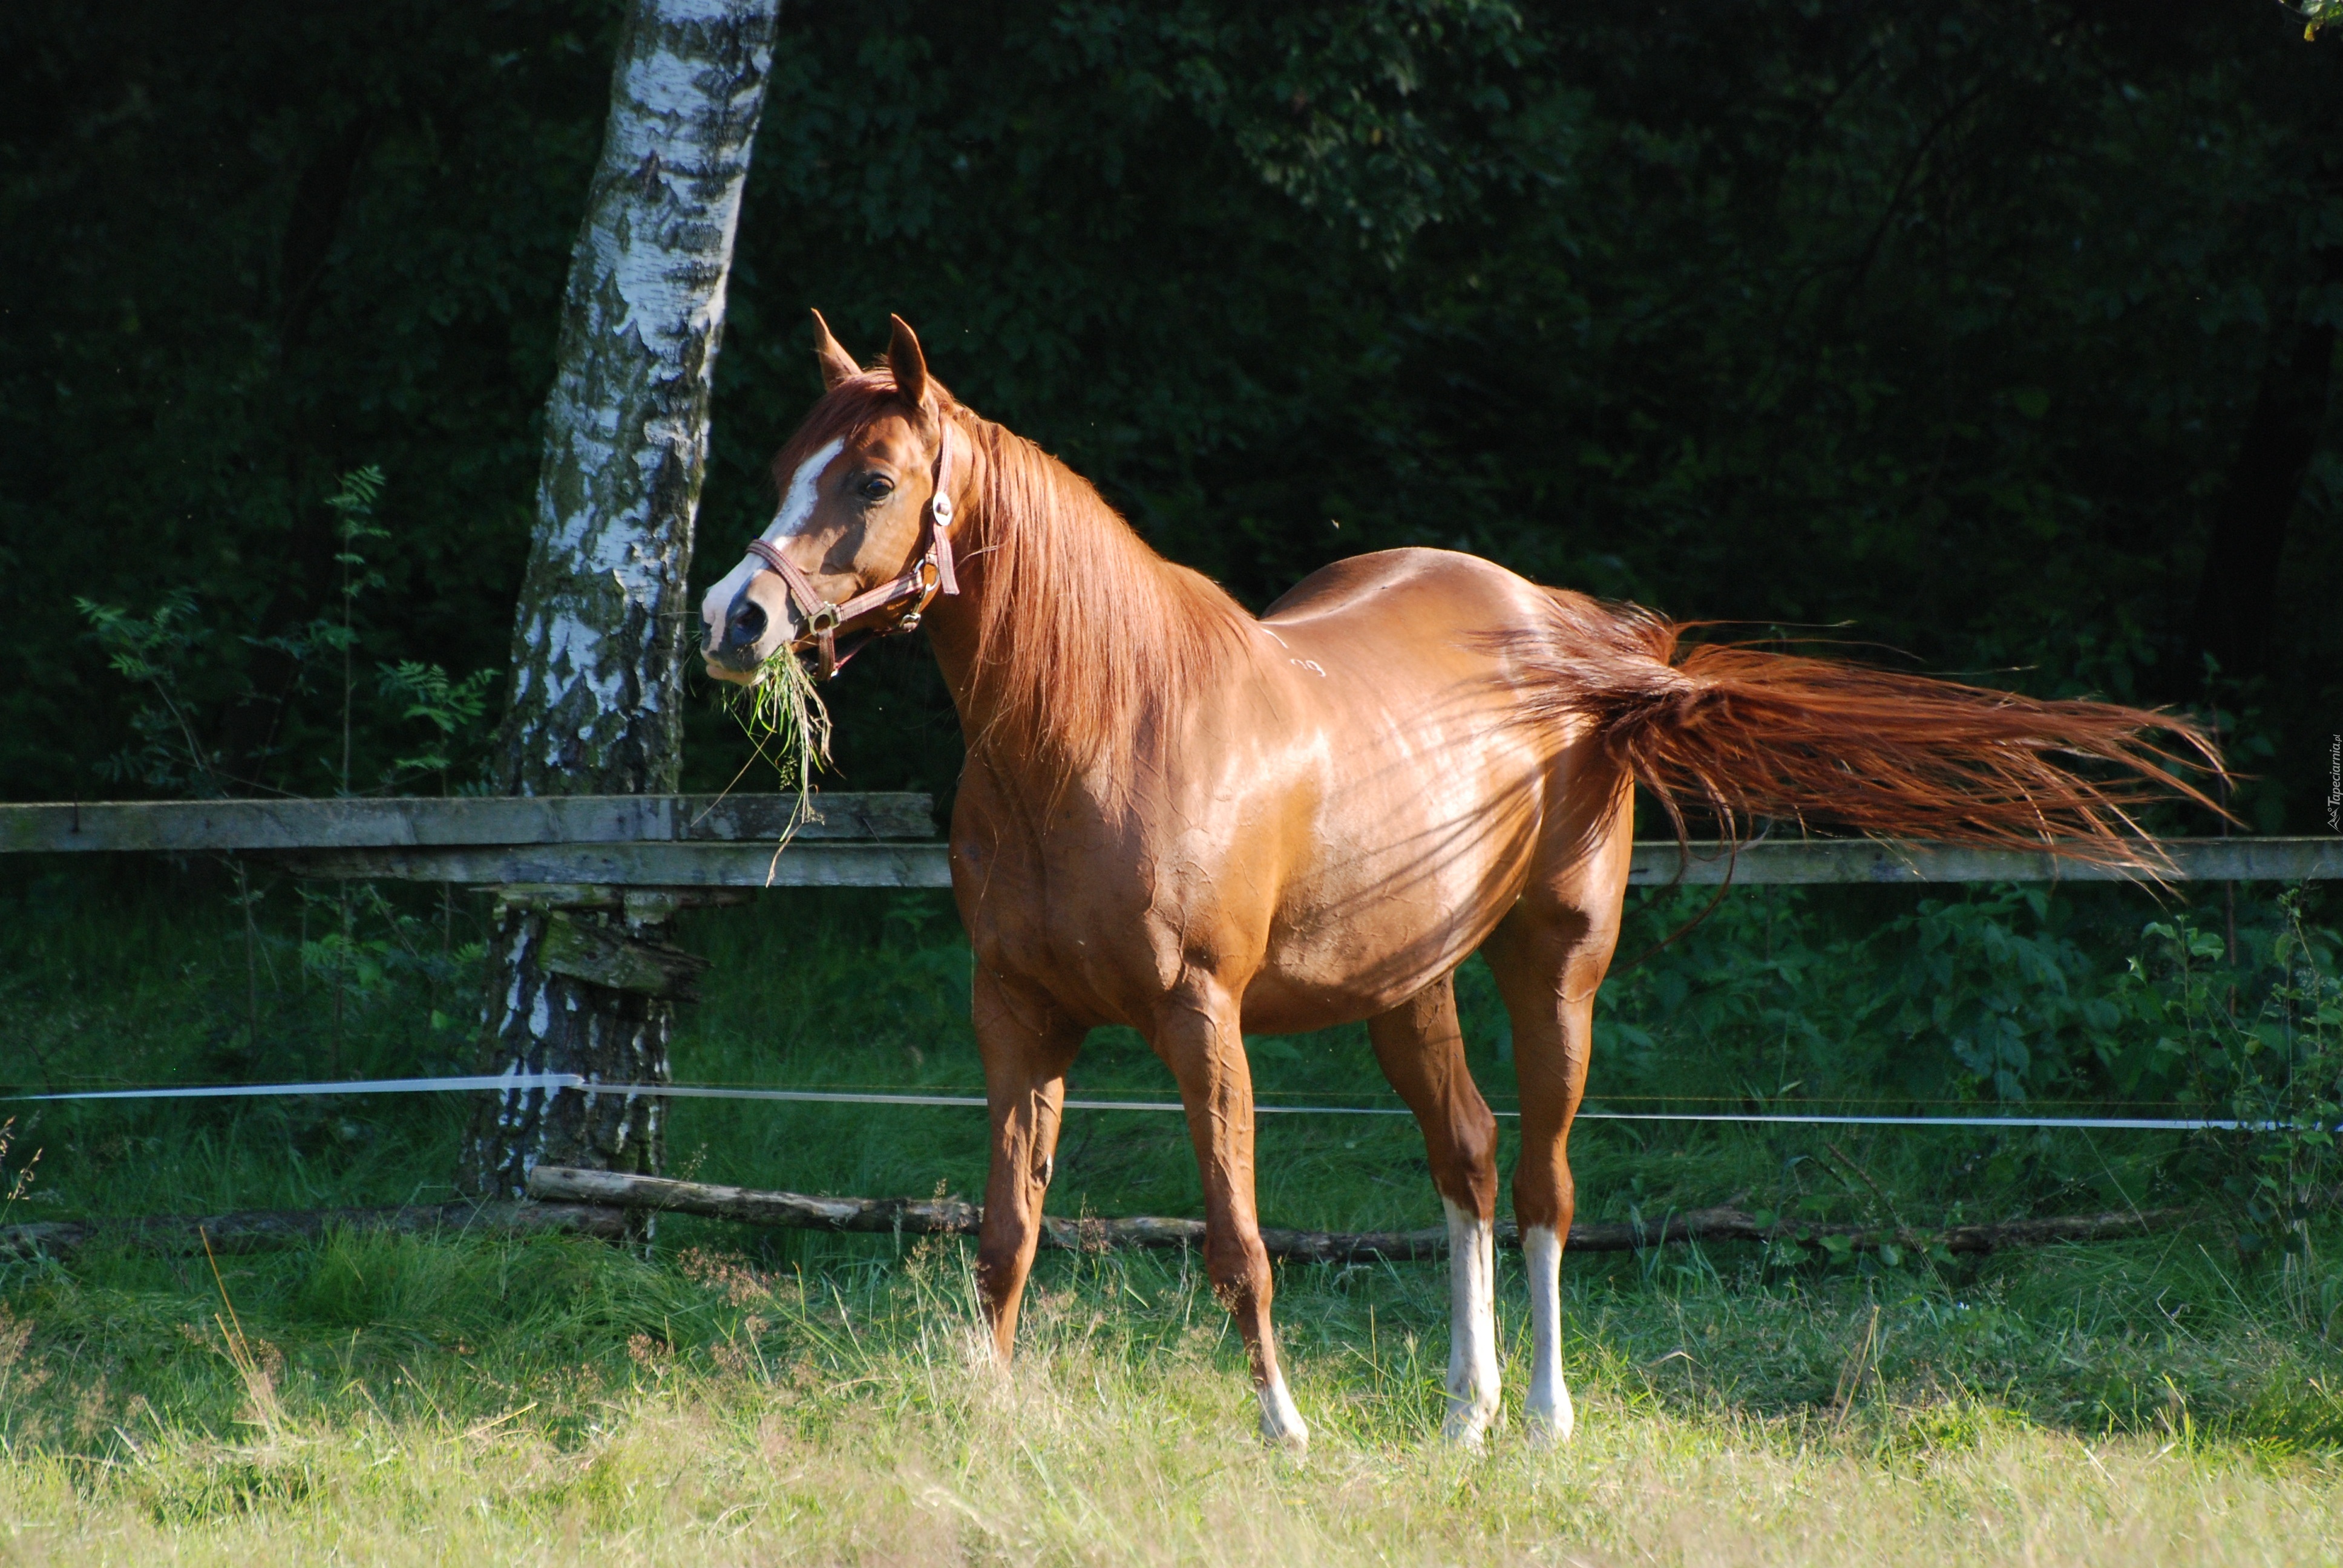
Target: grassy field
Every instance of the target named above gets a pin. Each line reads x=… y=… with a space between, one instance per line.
x=736 y=1396
x=405 y=1400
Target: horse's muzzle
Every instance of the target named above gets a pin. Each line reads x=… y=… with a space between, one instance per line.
x=735 y=654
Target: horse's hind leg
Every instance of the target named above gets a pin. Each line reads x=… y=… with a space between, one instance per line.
x=1421 y=1052
x=1549 y=956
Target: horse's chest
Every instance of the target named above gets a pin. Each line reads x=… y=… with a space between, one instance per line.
x=1109 y=929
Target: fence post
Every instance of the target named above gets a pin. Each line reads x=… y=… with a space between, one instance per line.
x=602 y=629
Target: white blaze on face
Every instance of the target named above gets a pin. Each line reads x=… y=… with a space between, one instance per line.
x=797 y=505
x=796 y=511
x=1550 y=1412
x=1473 y=1377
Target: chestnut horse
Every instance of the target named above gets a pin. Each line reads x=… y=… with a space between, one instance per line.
x=1197 y=823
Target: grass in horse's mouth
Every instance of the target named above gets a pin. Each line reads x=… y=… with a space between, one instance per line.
x=783 y=715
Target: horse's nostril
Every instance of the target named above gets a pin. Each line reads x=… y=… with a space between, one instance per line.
x=747 y=626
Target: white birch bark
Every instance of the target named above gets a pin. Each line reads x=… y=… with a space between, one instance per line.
x=601 y=634
x=602 y=631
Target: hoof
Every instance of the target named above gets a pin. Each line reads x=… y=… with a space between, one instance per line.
x=1550 y=1426
x=1293 y=1439
x=1466 y=1432
x=1467 y=1425
x=1282 y=1425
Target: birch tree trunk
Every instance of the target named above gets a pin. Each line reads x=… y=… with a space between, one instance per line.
x=603 y=630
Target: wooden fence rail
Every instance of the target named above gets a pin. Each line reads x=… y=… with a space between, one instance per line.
x=888 y=841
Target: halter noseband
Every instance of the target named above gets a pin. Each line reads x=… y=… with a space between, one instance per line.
x=930 y=575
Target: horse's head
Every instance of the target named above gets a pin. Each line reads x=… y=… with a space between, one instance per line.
x=863 y=538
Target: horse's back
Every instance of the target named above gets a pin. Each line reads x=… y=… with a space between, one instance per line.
x=1388 y=591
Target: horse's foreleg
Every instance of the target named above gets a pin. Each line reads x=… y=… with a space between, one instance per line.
x=1027 y=1044
x=1421 y=1052
x=1197 y=1034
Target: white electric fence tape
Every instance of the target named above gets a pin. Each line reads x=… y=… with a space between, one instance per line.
x=558 y=1080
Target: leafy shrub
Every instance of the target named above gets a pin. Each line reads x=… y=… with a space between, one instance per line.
x=2006 y=994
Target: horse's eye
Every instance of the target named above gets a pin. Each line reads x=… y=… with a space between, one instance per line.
x=876 y=488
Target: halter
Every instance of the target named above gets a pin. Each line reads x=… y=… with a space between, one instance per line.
x=931 y=574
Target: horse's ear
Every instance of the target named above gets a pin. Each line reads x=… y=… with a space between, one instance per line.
x=910 y=366
x=837 y=364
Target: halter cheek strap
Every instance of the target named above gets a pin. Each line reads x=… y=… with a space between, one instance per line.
x=930 y=575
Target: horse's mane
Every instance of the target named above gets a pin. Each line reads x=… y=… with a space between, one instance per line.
x=1089 y=643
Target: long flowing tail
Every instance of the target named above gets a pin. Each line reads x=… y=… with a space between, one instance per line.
x=1751 y=734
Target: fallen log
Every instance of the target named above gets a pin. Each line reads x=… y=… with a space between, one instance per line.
x=951 y=1216
x=259 y=1230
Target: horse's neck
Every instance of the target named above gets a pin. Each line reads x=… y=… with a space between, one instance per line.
x=979 y=687
x=953 y=622
x=951 y=627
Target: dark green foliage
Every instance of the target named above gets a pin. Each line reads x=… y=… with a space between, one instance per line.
x=1963 y=326
x=169 y=654
x=248 y=249
x=2268 y=1056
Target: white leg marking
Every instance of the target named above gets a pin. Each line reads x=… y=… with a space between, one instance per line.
x=1472 y=1326
x=1281 y=1424
x=1551 y=1416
